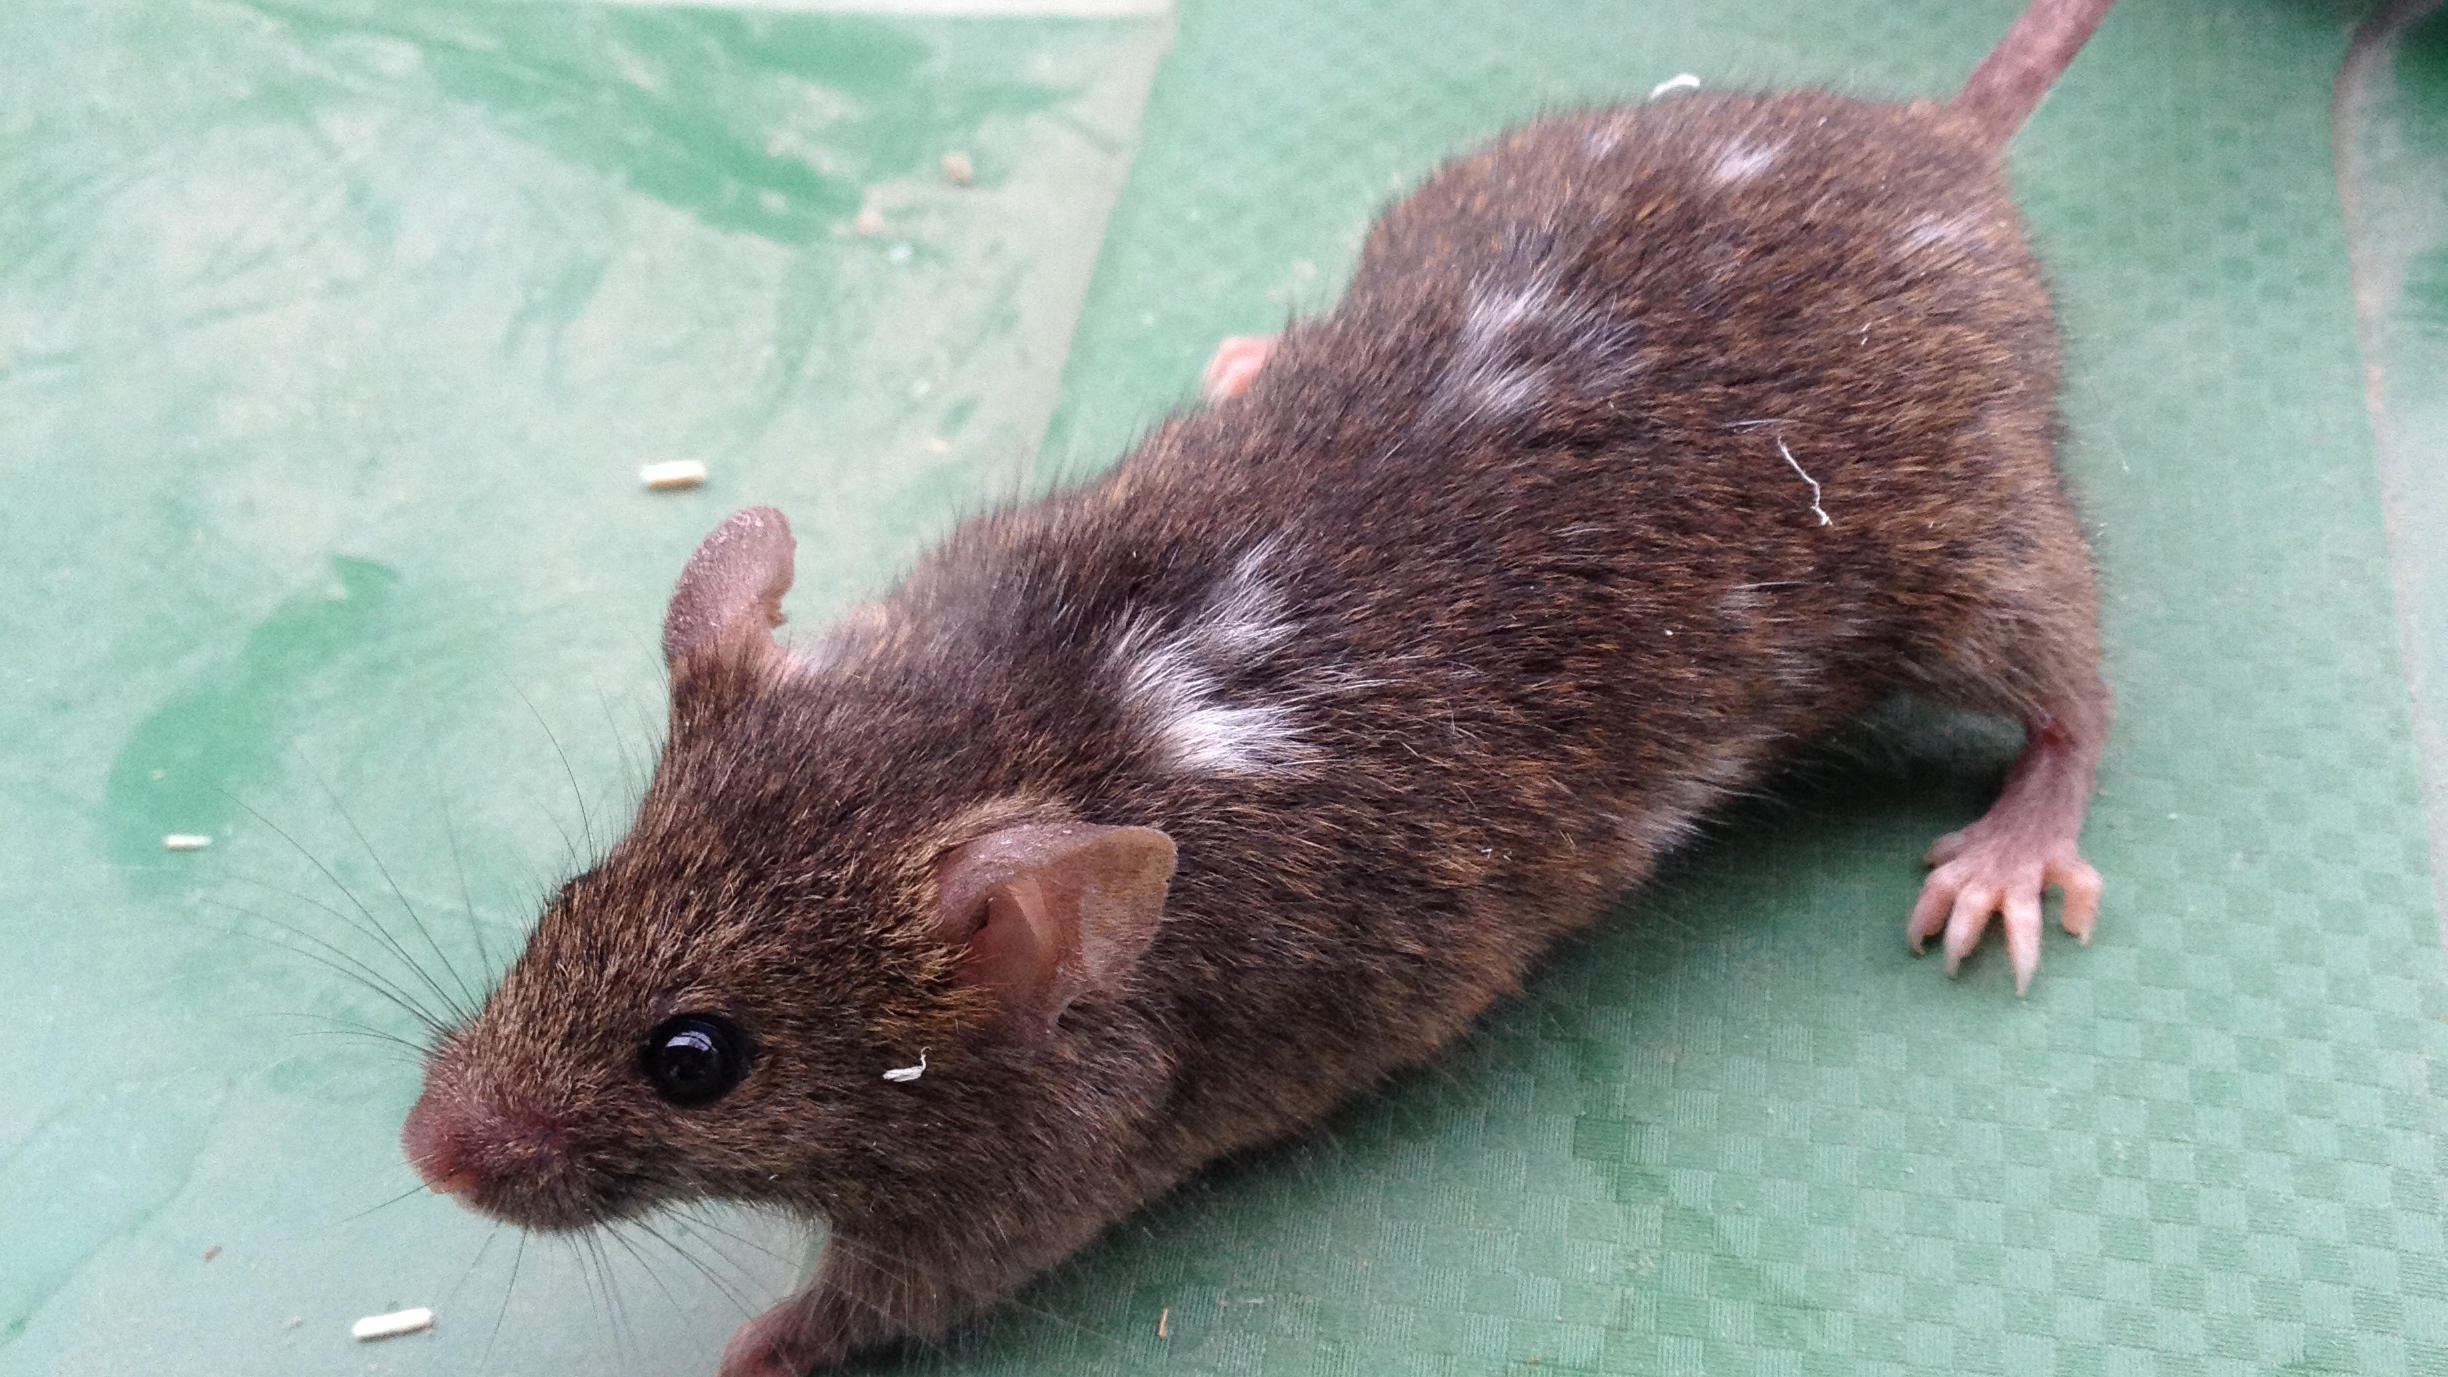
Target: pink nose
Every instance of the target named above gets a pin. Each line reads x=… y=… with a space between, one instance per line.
x=435 y=1140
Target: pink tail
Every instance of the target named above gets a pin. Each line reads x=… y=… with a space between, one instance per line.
x=2010 y=83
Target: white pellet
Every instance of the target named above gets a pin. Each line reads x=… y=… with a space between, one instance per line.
x=185 y=841
x=393 y=1325
x=672 y=473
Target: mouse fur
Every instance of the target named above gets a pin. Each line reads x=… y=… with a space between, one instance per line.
x=1646 y=445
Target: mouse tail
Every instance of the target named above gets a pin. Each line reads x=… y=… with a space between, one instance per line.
x=2016 y=76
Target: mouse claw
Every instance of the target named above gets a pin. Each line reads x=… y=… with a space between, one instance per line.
x=2022 y=908
x=1979 y=877
x=2081 y=886
x=1929 y=916
x=1967 y=919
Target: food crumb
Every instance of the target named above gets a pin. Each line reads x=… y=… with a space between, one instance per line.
x=1164 y=1323
x=396 y=1323
x=1680 y=81
x=869 y=222
x=294 y=1321
x=958 y=170
x=672 y=473
x=186 y=841
x=212 y=1252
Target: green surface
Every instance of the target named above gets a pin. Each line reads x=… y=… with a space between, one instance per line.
x=331 y=336
x=2392 y=142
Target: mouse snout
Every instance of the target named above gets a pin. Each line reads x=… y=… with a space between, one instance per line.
x=435 y=1141
x=515 y=1162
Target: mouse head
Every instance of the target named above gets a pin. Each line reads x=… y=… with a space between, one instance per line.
x=709 y=1011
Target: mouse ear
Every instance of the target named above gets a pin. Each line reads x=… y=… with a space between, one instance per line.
x=1045 y=912
x=730 y=595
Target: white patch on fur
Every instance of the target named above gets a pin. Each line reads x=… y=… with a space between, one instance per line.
x=1605 y=138
x=1246 y=618
x=1960 y=232
x=1483 y=380
x=1194 y=728
x=1493 y=313
x=1175 y=684
x=1508 y=391
x=1518 y=342
x=1675 y=813
x=1793 y=670
x=1744 y=160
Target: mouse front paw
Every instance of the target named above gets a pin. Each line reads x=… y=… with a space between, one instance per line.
x=800 y=1336
x=1986 y=870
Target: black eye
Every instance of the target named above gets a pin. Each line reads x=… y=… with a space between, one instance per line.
x=694 y=1059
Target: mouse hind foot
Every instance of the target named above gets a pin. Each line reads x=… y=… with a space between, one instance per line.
x=2026 y=844
x=2011 y=626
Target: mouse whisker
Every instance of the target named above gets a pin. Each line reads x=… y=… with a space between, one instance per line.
x=415 y=1005
x=473 y=1263
x=694 y=1222
x=713 y=1278
x=644 y=1265
x=577 y=1246
x=586 y=822
x=486 y=971
x=339 y=961
x=463 y=1006
x=345 y=1028
x=508 y=1289
x=417 y=1189
x=624 y=1332
x=379 y=931
x=633 y=775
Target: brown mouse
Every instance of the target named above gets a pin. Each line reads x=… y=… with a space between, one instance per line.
x=1153 y=820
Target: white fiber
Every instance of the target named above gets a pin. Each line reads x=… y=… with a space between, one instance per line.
x=393 y=1325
